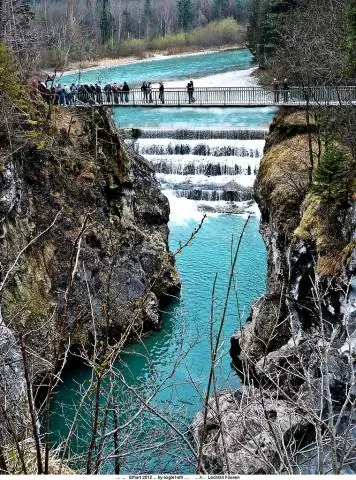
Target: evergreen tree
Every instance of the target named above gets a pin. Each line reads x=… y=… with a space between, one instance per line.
x=263 y=31
x=148 y=16
x=185 y=14
x=254 y=28
x=105 y=20
x=128 y=25
x=220 y=8
x=239 y=10
x=333 y=177
x=351 y=39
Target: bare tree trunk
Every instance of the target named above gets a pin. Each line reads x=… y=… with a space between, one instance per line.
x=116 y=442
x=31 y=405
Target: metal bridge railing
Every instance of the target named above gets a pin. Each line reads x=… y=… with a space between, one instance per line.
x=239 y=96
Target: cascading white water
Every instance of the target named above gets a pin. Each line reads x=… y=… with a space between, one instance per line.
x=205 y=165
x=211 y=147
x=201 y=134
x=200 y=165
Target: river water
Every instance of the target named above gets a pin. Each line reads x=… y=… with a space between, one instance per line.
x=172 y=366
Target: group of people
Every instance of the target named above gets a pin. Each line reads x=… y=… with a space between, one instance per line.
x=115 y=93
x=112 y=93
x=146 y=89
x=66 y=95
x=280 y=87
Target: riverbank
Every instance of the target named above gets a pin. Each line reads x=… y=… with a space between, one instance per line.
x=107 y=62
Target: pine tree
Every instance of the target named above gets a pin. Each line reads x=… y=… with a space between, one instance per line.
x=128 y=25
x=351 y=39
x=254 y=29
x=185 y=14
x=333 y=177
x=239 y=10
x=263 y=31
x=105 y=20
x=220 y=8
x=148 y=18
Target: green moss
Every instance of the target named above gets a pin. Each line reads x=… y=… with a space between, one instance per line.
x=319 y=223
x=284 y=171
x=29 y=294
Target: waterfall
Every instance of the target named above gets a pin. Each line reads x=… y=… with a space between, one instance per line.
x=197 y=134
x=217 y=166
x=207 y=167
x=200 y=149
x=214 y=195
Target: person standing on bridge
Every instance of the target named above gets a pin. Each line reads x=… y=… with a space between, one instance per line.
x=190 y=90
x=61 y=95
x=149 y=92
x=275 y=86
x=98 y=93
x=108 y=90
x=161 y=92
x=74 y=92
x=125 y=91
x=285 y=88
x=144 y=91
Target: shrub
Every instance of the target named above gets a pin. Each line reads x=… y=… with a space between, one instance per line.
x=9 y=81
x=333 y=178
x=217 y=33
x=132 y=46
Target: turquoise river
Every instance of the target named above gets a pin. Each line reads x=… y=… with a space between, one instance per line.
x=169 y=369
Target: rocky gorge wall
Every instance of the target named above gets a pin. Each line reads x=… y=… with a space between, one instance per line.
x=83 y=243
x=294 y=412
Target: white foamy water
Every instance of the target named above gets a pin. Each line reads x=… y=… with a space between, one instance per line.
x=214 y=144
x=236 y=78
x=202 y=159
x=182 y=209
x=211 y=142
x=211 y=174
x=204 y=180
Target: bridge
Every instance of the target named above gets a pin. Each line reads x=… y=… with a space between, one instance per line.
x=218 y=97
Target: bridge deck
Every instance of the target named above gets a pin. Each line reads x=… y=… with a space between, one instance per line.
x=219 y=97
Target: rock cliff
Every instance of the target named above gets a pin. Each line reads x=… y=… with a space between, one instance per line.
x=84 y=255
x=295 y=410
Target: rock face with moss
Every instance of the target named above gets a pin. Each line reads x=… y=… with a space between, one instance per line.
x=295 y=352
x=91 y=226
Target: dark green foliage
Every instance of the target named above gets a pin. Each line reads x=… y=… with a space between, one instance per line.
x=147 y=10
x=333 y=178
x=255 y=27
x=105 y=20
x=147 y=17
x=351 y=39
x=263 y=31
x=128 y=24
x=220 y=8
x=185 y=14
x=239 y=10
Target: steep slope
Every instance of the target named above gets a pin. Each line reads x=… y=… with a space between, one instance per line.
x=295 y=410
x=91 y=224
